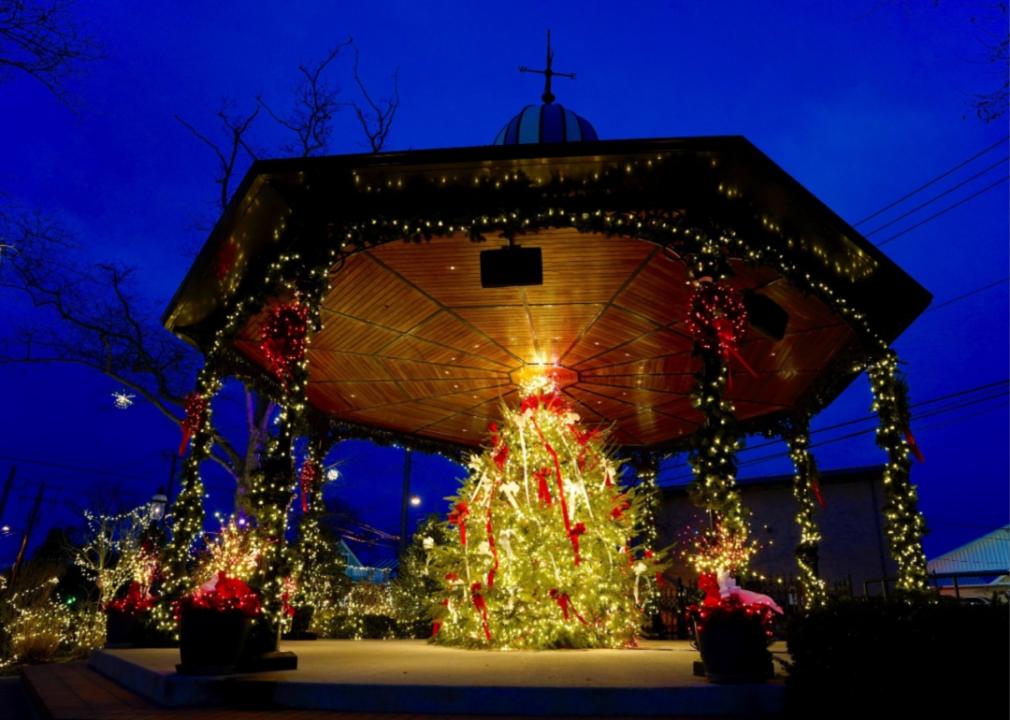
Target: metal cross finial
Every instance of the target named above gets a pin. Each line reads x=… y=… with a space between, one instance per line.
x=548 y=73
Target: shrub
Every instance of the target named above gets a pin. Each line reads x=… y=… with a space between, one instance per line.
x=899 y=656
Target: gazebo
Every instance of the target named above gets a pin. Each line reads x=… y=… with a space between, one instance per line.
x=685 y=291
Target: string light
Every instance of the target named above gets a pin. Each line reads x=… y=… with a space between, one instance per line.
x=723 y=223
x=905 y=525
x=122 y=400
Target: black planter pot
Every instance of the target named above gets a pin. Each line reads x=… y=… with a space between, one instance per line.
x=734 y=648
x=212 y=642
x=121 y=629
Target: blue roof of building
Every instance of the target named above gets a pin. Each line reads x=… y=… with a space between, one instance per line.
x=544 y=124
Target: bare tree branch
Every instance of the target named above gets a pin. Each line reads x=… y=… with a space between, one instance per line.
x=377 y=120
x=315 y=104
x=43 y=40
x=235 y=129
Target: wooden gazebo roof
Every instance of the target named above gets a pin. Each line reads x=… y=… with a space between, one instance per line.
x=413 y=345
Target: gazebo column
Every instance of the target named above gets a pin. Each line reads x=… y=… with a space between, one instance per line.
x=806 y=490
x=646 y=465
x=188 y=511
x=717 y=321
x=284 y=341
x=314 y=584
x=713 y=457
x=905 y=525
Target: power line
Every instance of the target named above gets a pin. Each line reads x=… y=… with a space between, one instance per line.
x=929 y=183
x=867 y=418
x=966 y=295
x=937 y=214
x=858 y=433
x=933 y=199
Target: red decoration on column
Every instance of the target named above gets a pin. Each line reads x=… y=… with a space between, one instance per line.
x=815 y=485
x=717 y=320
x=458 y=517
x=283 y=338
x=481 y=605
x=914 y=446
x=196 y=409
x=306 y=477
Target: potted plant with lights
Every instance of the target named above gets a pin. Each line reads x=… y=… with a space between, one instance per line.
x=214 y=622
x=733 y=625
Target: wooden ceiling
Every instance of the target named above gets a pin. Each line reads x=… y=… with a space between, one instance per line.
x=412 y=343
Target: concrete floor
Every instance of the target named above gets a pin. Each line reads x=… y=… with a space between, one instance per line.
x=411 y=676
x=655 y=664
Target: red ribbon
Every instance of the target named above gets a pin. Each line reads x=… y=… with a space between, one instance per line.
x=543 y=492
x=572 y=535
x=196 y=407
x=548 y=401
x=436 y=626
x=565 y=603
x=306 y=478
x=501 y=450
x=815 y=485
x=914 y=446
x=458 y=517
x=481 y=605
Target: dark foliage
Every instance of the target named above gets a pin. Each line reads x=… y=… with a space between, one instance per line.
x=869 y=658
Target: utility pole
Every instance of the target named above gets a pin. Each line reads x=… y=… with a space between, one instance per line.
x=7 y=489
x=33 y=516
x=408 y=460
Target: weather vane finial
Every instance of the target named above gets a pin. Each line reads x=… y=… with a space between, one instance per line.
x=547 y=72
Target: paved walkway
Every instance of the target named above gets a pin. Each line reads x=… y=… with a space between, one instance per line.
x=71 y=691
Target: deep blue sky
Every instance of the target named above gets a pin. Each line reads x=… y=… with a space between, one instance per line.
x=860 y=101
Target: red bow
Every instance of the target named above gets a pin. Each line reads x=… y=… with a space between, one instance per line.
x=458 y=517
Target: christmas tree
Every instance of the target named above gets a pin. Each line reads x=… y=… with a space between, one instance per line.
x=545 y=547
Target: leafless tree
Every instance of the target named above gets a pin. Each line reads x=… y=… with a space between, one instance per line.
x=101 y=322
x=235 y=128
x=315 y=103
x=377 y=118
x=44 y=40
x=994 y=105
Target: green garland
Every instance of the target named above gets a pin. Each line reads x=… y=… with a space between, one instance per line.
x=625 y=199
x=805 y=483
x=905 y=524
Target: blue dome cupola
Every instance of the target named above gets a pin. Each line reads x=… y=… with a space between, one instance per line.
x=549 y=122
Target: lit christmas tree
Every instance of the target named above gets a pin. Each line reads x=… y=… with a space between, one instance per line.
x=546 y=546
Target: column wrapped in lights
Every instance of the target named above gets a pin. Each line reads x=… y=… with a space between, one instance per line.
x=713 y=455
x=905 y=524
x=188 y=511
x=284 y=342
x=646 y=465
x=318 y=566
x=806 y=490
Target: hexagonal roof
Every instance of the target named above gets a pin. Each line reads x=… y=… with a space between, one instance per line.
x=413 y=346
